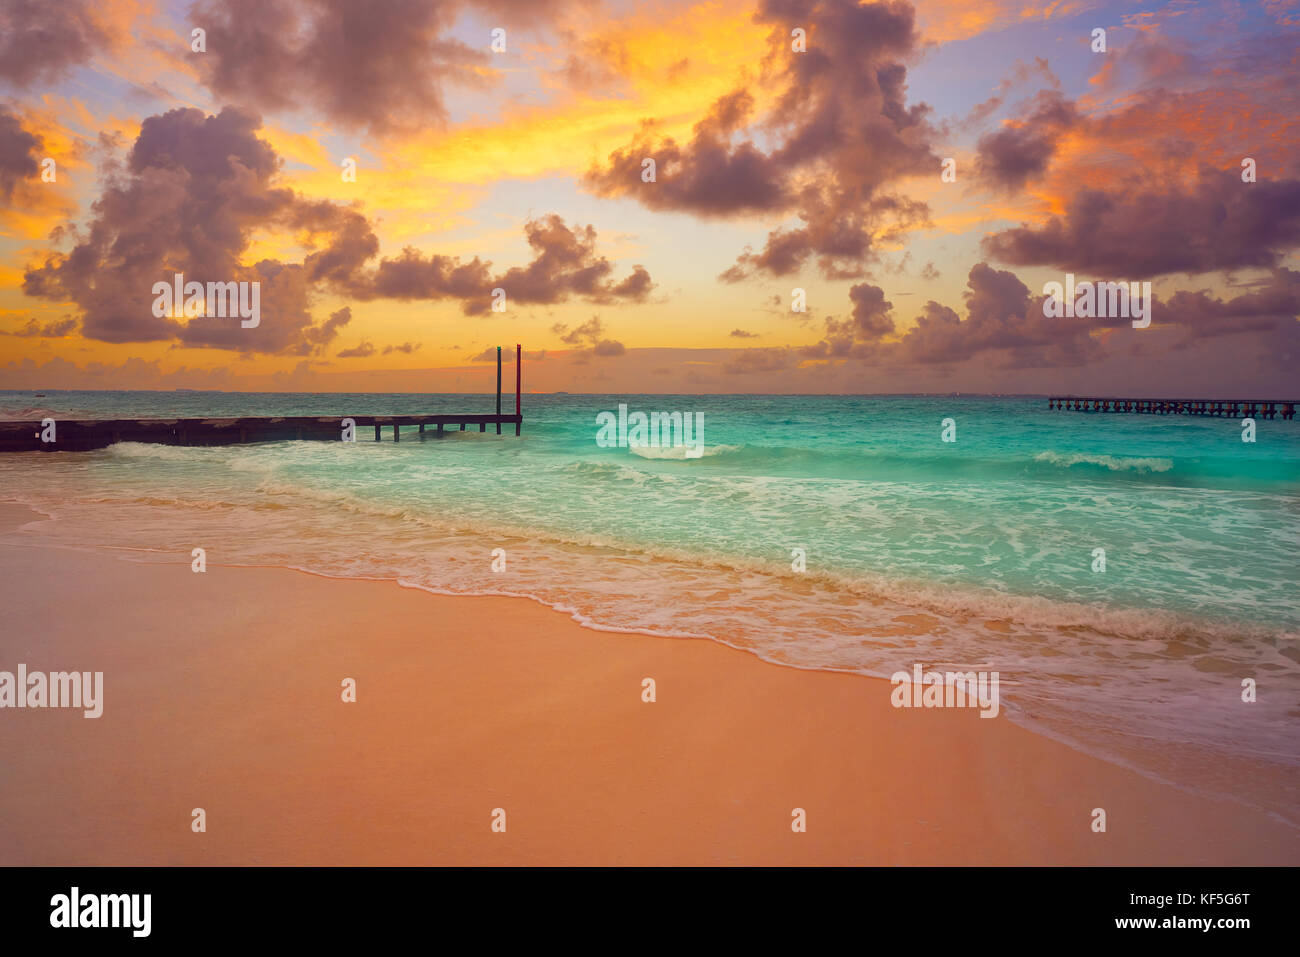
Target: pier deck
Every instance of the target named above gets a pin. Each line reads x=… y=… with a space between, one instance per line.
x=1228 y=408
x=79 y=435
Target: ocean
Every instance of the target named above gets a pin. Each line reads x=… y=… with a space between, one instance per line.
x=975 y=554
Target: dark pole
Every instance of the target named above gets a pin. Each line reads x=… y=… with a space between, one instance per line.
x=498 y=390
x=519 y=381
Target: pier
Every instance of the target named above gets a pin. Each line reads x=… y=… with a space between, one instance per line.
x=1227 y=408
x=80 y=435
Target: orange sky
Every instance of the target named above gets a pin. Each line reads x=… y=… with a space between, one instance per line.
x=455 y=169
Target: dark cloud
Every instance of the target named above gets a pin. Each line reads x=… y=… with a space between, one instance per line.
x=54 y=329
x=1141 y=228
x=840 y=132
x=634 y=288
x=188 y=199
x=18 y=154
x=193 y=189
x=589 y=331
x=870 y=312
x=40 y=40
x=379 y=65
x=1272 y=305
x=565 y=264
x=406 y=347
x=1021 y=150
x=318 y=336
x=592 y=333
x=412 y=275
x=707 y=176
x=1004 y=318
x=360 y=351
x=858 y=335
x=1001 y=314
x=742 y=334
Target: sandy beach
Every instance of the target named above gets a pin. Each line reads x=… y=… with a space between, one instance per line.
x=222 y=691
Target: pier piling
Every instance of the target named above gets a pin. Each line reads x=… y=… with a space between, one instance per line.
x=1226 y=408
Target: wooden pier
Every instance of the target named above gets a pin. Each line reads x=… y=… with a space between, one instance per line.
x=79 y=435
x=1227 y=408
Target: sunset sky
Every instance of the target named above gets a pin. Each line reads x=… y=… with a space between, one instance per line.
x=775 y=170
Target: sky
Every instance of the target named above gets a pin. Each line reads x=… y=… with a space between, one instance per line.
x=845 y=197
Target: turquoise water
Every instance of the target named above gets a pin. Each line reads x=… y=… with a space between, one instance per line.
x=977 y=552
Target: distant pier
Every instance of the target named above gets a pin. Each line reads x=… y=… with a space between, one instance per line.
x=80 y=435
x=1227 y=408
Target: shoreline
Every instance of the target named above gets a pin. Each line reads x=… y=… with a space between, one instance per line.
x=1243 y=774
x=466 y=704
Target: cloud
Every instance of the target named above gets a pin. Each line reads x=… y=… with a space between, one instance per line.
x=592 y=333
x=1143 y=228
x=565 y=264
x=1272 y=306
x=18 y=152
x=1004 y=318
x=380 y=65
x=1020 y=151
x=838 y=133
x=41 y=41
x=193 y=189
x=869 y=322
x=55 y=329
x=191 y=194
x=708 y=176
x=318 y=336
x=1001 y=314
x=589 y=331
x=406 y=347
x=359 y=351
x=1121 y=199
x=742 y=334
x=870 y=312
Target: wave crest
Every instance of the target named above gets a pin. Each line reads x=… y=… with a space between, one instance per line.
x=1111 y=462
